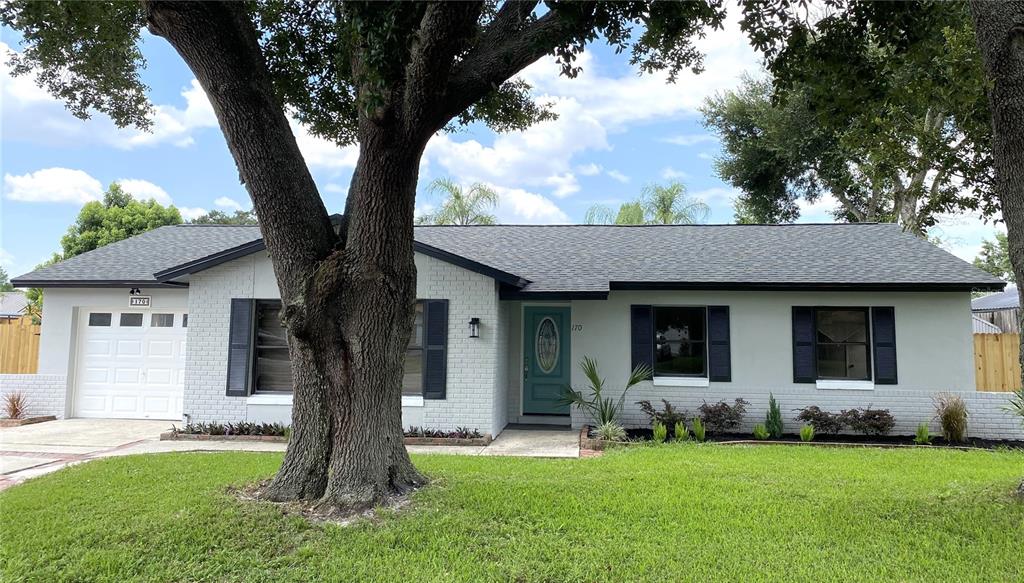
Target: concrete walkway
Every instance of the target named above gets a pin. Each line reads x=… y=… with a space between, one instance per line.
x=33 y=450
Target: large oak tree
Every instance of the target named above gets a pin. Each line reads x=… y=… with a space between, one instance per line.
x=387 y=76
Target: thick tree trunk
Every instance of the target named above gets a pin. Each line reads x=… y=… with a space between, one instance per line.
x=999 y=28
x=348 y=301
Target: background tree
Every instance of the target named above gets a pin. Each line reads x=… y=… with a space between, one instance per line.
x=657 y=205
x=461 y=207
x=5 y=281
x=118 y=216
x=881 y=105
x=995 y=258
x=216 y=217
x=385 y=75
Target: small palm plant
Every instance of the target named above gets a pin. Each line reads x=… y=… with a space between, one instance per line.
x=1016 y=405
x=602 y=409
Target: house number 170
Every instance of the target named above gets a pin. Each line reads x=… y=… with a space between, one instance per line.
x=577 y=327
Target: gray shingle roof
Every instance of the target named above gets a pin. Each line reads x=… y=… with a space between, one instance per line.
x=1004 y=300
x=596 y=258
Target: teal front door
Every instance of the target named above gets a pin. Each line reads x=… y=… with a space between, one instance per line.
x=546 y=366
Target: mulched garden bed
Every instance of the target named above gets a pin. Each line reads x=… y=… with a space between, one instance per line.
x=26 y=421
x=645 y=435
x=172 y=436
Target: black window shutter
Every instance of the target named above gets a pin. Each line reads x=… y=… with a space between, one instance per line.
x=240 y=337
x=435 y=349
x=805 y=363
x=883 y=324
x=719 y=358
x=641 y=335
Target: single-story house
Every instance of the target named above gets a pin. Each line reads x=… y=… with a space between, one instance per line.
x=182 y=323
x=1000 y=310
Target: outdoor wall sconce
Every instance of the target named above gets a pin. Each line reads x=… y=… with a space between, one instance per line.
x=134 y=291
x=474 y=327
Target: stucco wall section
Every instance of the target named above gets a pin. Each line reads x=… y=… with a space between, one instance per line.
x=45 y=393
x=210 y=294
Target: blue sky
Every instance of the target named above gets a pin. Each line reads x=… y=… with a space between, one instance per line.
x=616 y=132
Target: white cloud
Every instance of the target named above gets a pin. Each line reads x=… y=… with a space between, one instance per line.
x=189 y=213
x=588 y=169
x=962 y=235
x=689 y=139
x=53 y=185
x=173 y=125
x=618 y=176
x=519 y=206
x=228 y=203
x=335 y=188
x=564 y=184
x=321 y=153
x=716 y=195
x=6 y=259
x=706 y=156
x=145 y=190
x=670 y=173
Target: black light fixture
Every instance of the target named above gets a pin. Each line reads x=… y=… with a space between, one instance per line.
x=134 y=291
x=474 y=327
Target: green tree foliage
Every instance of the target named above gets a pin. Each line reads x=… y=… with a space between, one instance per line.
x=995 y=258
x=461 y=206
x=658 y=205
x=118 y=216
x=216 y=217
x=5 y=281
x=881 y=105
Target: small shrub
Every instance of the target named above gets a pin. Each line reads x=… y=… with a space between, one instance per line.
x=722 y=416
x=680 y=432
x=760 y=432
x=459 y=433
x=1016 y=405
x=951 y=411
x=923 y=436
x=807 y=433
x=660 y=433
x=611 y=431
x=698 y=429
x=868 y=421
x=773 y=420
x=15 y=405
x=602 y=409
x=668 y=416
x=824 y=423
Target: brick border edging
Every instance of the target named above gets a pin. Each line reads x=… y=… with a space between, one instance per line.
x=27 y=421
x=171 y=436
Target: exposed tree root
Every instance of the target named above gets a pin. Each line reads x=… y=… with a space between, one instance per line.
x=321 y=511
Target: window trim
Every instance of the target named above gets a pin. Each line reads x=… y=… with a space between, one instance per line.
x=411 y=399
x=667 y=378
x=833 y=382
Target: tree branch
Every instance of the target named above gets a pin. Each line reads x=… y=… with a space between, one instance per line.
x=218 y=43
x=510 y=44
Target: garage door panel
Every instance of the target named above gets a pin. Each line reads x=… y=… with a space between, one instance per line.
x=130 y=372
x=129 y=348
x=161 y=348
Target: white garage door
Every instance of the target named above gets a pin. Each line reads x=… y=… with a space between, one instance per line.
x=131 y=364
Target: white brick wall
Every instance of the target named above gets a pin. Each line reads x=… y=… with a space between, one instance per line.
x=46 y=393
x=499 y=415
x=909 y=407
x=206 y=361
x=473 y=363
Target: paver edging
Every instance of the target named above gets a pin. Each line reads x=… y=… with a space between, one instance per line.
x=172 y=436
x=27 y=421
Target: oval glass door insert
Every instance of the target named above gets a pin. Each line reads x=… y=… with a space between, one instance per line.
x=546 y=345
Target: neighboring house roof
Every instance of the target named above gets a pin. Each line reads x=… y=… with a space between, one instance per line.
x=586 y=260
x=1004 y=300
x=980 y=326
x=12 y=304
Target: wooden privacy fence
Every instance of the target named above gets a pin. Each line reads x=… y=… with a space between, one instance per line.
x=19 y=347
x=997 y=362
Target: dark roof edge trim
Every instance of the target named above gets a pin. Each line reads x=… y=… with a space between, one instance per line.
x=258 y=245
x=497 y=274
x=97 y=283
x=804 y=286
x=515 y=294
x=210 y=260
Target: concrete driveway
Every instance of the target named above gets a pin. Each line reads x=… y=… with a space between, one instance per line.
x=32 y=450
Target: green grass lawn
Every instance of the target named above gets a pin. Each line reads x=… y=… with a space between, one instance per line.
x=670 y=513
